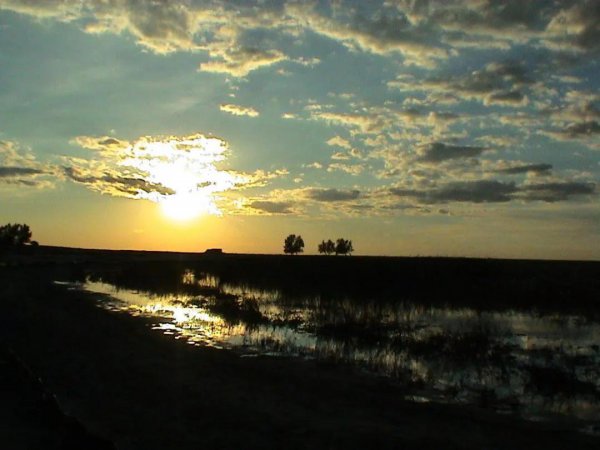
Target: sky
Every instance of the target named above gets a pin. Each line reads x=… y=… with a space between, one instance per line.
x=416 y=128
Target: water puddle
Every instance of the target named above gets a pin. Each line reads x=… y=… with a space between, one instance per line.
x=539 y=366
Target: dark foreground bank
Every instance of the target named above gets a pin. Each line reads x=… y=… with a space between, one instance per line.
x=140 y=389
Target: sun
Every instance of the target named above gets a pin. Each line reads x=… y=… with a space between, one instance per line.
x=185 y=207
x=181 y=174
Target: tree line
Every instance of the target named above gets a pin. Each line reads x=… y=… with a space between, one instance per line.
x=295 y=244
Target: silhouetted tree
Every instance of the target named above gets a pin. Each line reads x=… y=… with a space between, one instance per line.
x=14 y=235
x=293 y=244
x=327 y=247
x=343 y=247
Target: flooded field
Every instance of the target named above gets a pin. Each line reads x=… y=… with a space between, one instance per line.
x=524 y=362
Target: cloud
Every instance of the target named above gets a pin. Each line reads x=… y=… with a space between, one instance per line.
x=576 y=130
x=493 y=191
x=558 y=191
x=19 y=167
x=366 y=123
x=272 y=207
x=103 y=143
x=9 y=171
x=161 y=27
x=65 y=11
x=437 y=152
x=237 y=110
x=258 y=178
x=158 y=168
x=113 y=183
x=580 y=131
x=538 y=169
x=442 y=118
x=576 y=26
x=314 y=165
x=339 y=142
x=340 y=156
x=511 y=98
x=565 y=25
x=316 y=201
x=500 y=83
x=446 y=101
x=500 y=141
x=479 y=191
x=236 y=35
x=331 y=195
x=352 y=169
x=215 y=27
x=507 y=20
x=376 y=33
x=240 y=62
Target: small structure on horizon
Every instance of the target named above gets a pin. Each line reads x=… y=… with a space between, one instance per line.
x=213 y=251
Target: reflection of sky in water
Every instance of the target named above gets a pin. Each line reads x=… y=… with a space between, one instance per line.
x=509 y=361
x=199 y=326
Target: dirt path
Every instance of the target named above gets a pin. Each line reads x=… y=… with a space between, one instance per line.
x=143 y=390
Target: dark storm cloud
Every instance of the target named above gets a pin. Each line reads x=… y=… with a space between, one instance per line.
x=438 y=152
x=331 y=195
x=535 y=168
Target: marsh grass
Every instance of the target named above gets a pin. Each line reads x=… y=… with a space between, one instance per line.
x=454 y=336
x=235 y=310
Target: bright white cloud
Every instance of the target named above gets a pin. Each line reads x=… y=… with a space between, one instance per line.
x=180 y=172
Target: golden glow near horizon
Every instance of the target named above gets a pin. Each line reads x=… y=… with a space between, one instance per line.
x=183 y=207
